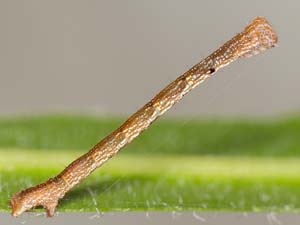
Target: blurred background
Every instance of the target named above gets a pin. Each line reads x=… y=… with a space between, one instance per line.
x=110 y=57
x=71 y=71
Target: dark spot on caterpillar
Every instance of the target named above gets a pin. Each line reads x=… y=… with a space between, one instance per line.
x=212 y=70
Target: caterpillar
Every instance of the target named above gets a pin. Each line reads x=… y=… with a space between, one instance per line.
x=255 y=38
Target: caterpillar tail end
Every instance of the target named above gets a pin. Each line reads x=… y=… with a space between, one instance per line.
x=45 y=195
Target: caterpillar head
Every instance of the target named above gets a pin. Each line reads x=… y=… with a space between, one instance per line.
x=257 y=37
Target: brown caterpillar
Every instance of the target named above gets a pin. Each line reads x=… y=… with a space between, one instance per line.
x=255 y=38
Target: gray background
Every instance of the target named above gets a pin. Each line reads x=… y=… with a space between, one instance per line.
x=147 y=218
x=113 y=56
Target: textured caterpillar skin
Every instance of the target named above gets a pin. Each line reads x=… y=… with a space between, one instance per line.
x=255 y=38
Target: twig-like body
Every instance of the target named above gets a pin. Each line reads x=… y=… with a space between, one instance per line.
x=255 y=38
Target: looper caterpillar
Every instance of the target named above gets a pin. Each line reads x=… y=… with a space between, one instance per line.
x=255 y=38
